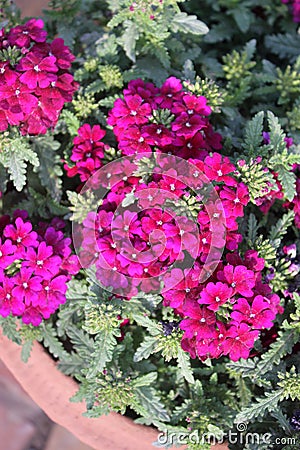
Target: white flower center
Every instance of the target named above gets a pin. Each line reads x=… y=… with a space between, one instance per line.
x=159 y=222
x=172 y=186
x=126 y=228
x=2 y=70
x=189 y=145
x=150 y=198
x=36 y=68
x=88 y=155
x=108 y=175
x=114 y=268
x=133 y=255
x=1 y=254
x=220 y=173
x=203 y=320
x=187 y=290
x=133 y=113
x=25 y=285
x=158 y=131
x=188 y=125
x=141 y=139
x=17 y=91
x=8 y=296
x=236 y=200
x=190 y=111
x=218 y=299
x=39 y=263
x=47 y=288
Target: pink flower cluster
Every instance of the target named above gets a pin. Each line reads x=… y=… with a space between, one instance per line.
x=87 y=153
x=132 y=246
x=34 y=91
x=165 y=119
x=224 y=316
x=34 y=268
x=141 y=240
x=295 y=8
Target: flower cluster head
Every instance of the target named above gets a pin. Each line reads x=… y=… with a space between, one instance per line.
x=87 y=153
x=295 y=4
x=34 y=267
x=225 y=315
x=34 y=89
x=165 y=119
x=164 y=214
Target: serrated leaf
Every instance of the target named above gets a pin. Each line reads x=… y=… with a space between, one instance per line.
x=185 y=366
x=26 y=351
x=268 y=403
x=281 y=227
x=151 y=403
x=189 y=24
x=276 y=133
x=129 y=39
x=145 y=380
x=146 y=348
x=105 y=343
x=284 y=45
x=144 y=321
x=242 y=17
x=17 y=170
x=253 y=134
x=281 y=347
x=288 y=182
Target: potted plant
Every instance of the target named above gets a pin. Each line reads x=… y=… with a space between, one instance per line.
x=150 y=219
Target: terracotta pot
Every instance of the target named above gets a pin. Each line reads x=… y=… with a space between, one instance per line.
x=51 y=391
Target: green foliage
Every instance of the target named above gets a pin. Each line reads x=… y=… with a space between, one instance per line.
x=14 y=155
x=49 y=170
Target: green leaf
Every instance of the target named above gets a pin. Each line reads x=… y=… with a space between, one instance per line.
x=144 y=321
x=284 y=45
x=50 y=170
x=188 y=24
x=268 y=403
x=276 y=133
x=151 y=403
x=252 y=228
x=9 y=329
x=129 y=39
x=281 y=347
x=145 y=380
x=51 y=341
x=185 y=366
x=26 y=350
x=146 y=348
x=253 y=134
x=17 y=170
x=105 y=343
x=242 y=17
x=288 y=182
x=281 y=227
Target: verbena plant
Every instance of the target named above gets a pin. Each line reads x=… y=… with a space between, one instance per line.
x=150 y=194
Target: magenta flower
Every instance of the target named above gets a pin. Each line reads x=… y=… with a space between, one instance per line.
x=191 y=104
x=201 y=321
x=32 y=316
x=7 y=75
x=235 y=199
x=157 y=134
x=52 y=294
x=8 y=301
x=42 y=261
x=22 y=35
x=37 y=71
x=27 y=288
x=130 y=111
x=7 y=253
x=215 y=295
x=21 y=235
x=239 y=278
x=217 y=168
x=239 y=341
x=187 y=125
x=258 y=314
x=18 y=95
